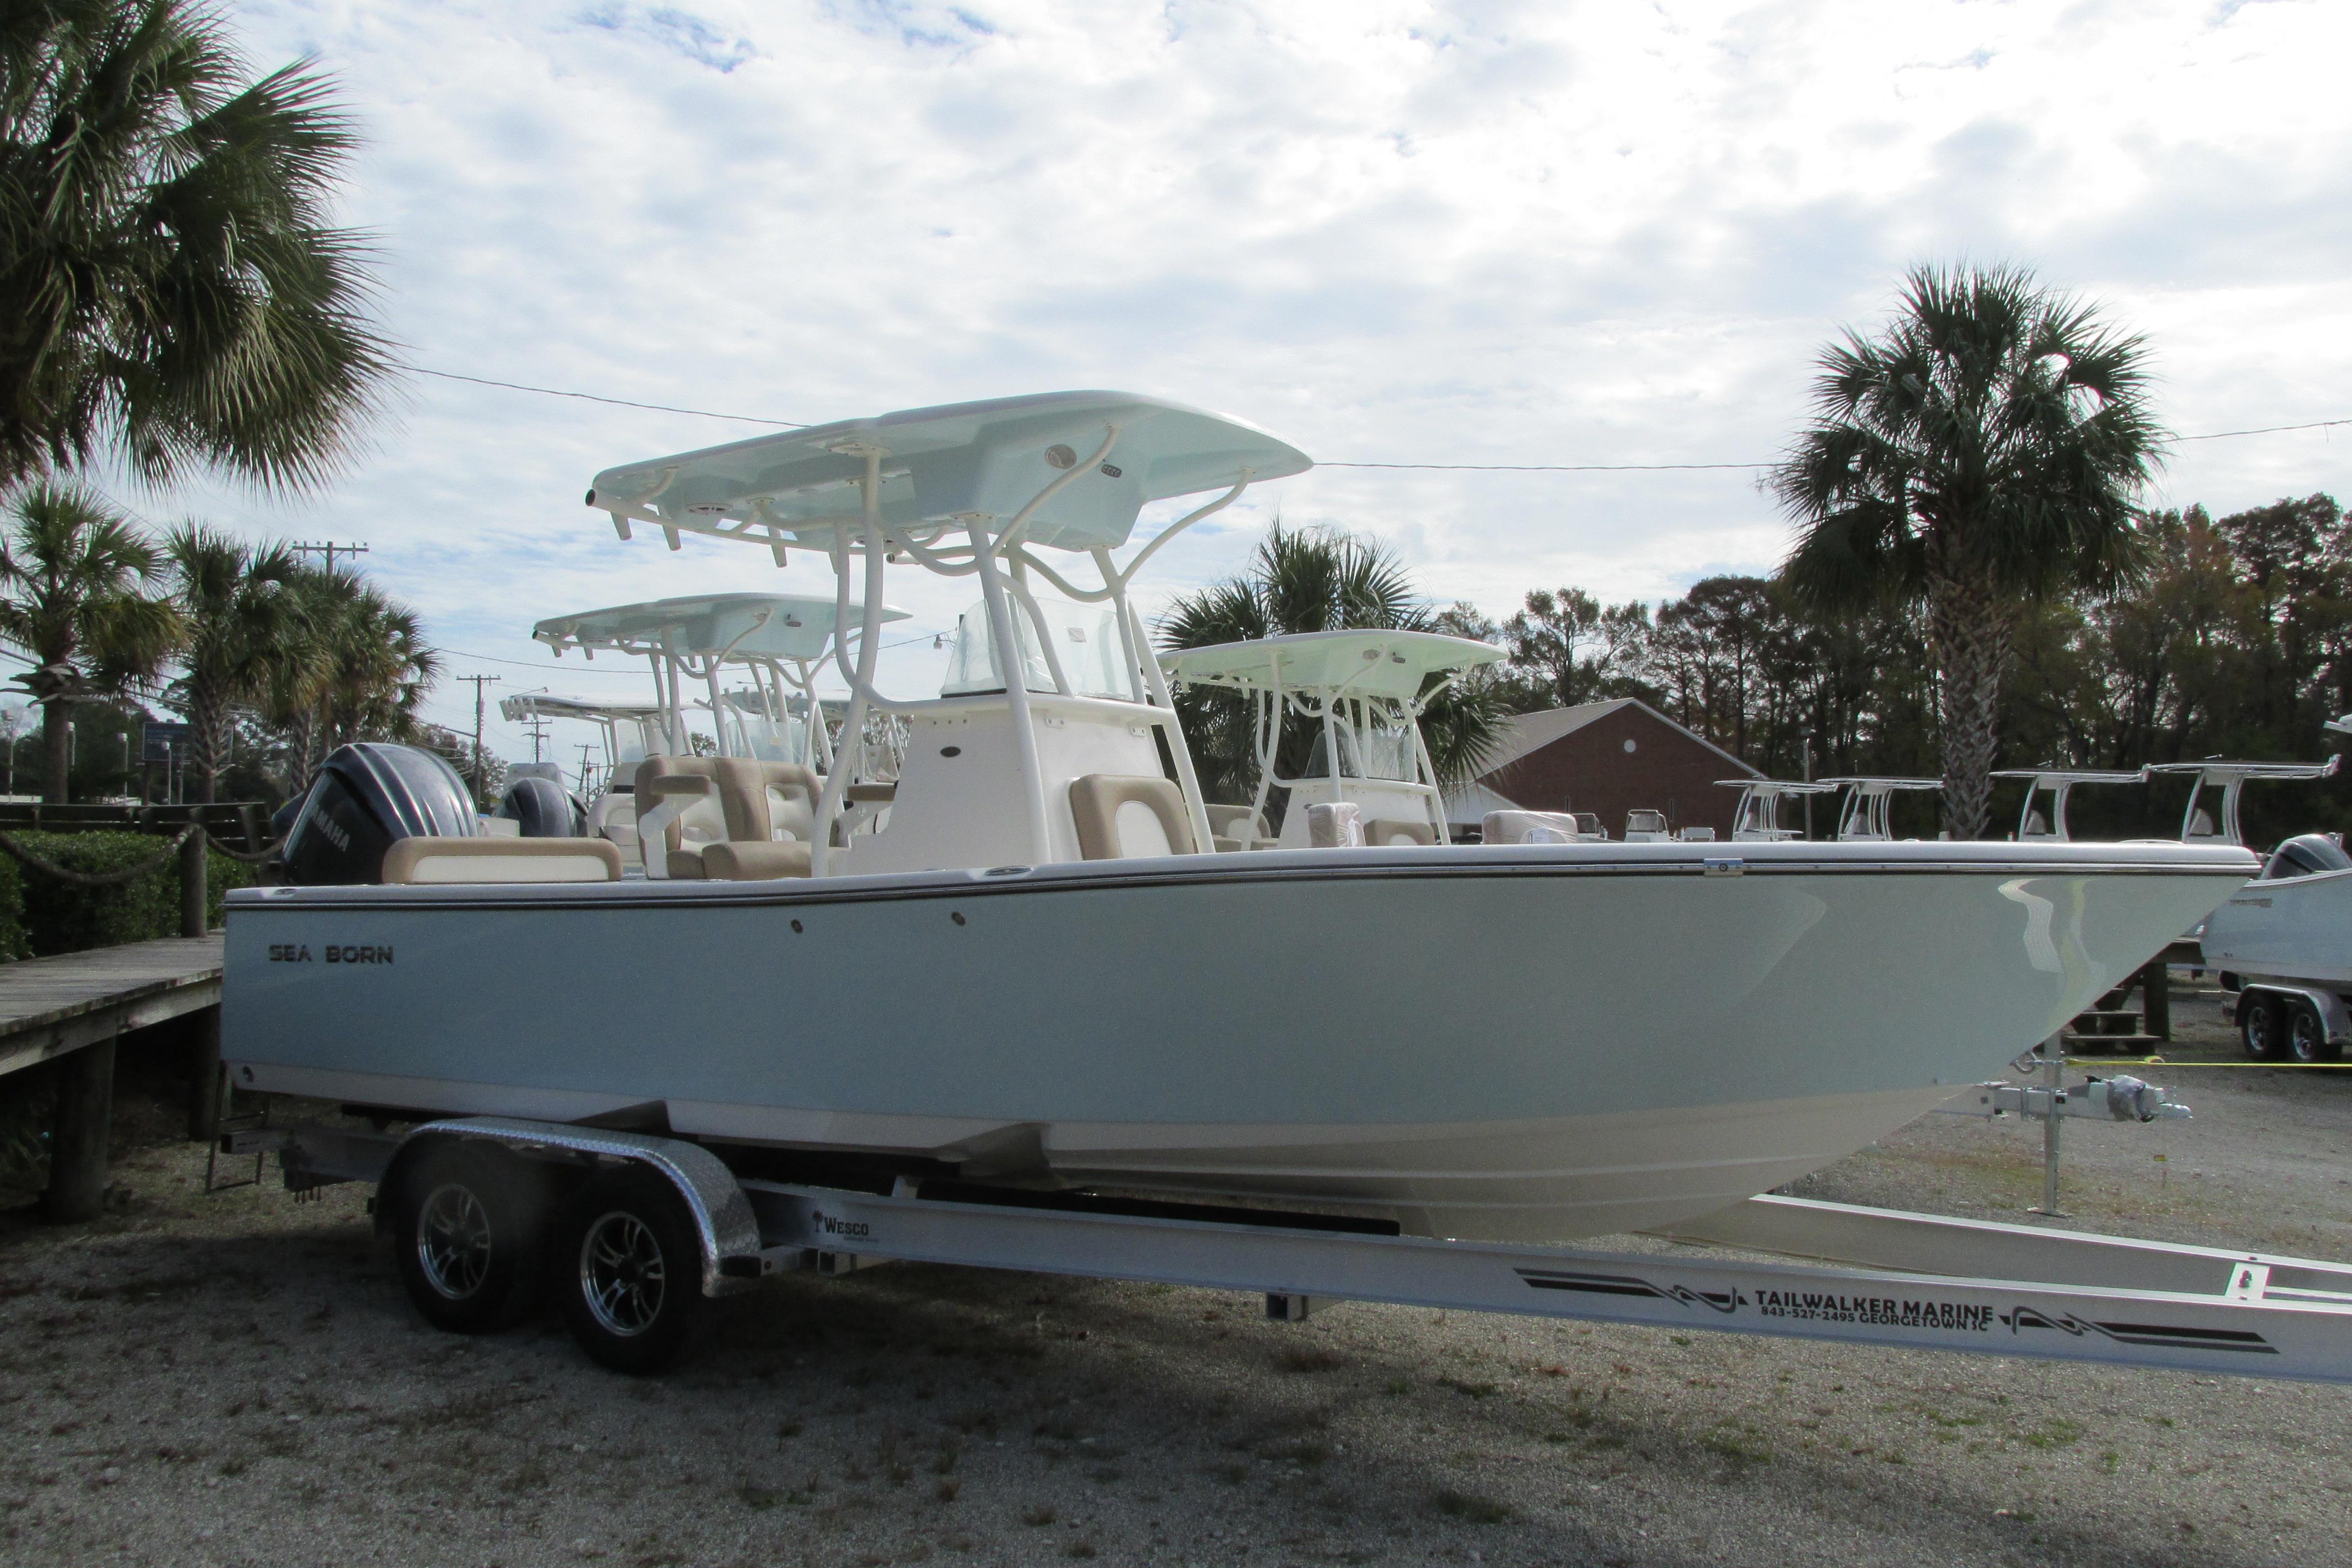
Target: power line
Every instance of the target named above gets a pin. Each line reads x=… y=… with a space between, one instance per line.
x=616 y=402
x=2265 y=430
x=1425 y=468
x=1551 y=468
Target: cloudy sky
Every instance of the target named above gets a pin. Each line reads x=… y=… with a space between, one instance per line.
x=1389 y=231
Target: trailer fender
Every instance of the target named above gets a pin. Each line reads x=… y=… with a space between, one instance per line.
x=723 y=1221
x=2335 y=1017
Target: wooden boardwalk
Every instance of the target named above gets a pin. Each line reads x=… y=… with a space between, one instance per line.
x=74 y=1006
x=49 y=1006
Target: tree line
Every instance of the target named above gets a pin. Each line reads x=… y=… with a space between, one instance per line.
x=2233 y=639
x=268 y=659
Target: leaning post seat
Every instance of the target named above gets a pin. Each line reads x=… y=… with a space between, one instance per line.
x=1393 y=831
x=1127 y=816
x=1236 y=828
x=667 y=790
x=414 y=862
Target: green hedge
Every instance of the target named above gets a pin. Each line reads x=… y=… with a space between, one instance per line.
x=40 y=915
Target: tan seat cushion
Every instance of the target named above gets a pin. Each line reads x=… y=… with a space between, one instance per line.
x=686 y=864
x=412 y=862
x=747 y=788
x=1399 y=830
x=1097 y=800
x=754 y=862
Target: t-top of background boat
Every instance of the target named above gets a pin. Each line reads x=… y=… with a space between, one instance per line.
x=1757 y=819
x=1868 y=817
x=1365 y=692
x=779 y=640
x=2199 y=825
x=2036 y=826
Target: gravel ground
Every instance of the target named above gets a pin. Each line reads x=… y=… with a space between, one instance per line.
x=237 y=1378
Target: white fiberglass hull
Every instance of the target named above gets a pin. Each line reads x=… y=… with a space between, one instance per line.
x=1538 y=1042
x=2287 y=928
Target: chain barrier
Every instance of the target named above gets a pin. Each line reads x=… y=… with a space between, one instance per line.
x=250 y=858
x=48 y=867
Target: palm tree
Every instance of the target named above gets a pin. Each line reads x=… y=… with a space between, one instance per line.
x=1316 y=580
x=358 y=669
x=171 y=292
x=241 y=617
x=74 y=580
x=1988 y=448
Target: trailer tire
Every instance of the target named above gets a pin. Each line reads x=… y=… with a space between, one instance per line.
x=469 y=1227
x=2262 y=1025
x=628 y=1263
x=2306 y=1035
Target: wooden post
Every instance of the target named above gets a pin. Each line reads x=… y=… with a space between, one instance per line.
x=2156 y=997
x=194 y=893
x=77 y=1137
x=204 y=1062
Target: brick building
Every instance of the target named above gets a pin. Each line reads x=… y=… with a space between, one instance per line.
x=1609 y=758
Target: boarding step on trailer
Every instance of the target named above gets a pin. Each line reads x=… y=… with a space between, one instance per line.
x=635 y=1234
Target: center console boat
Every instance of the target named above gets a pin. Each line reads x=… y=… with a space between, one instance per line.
x=1036 y=971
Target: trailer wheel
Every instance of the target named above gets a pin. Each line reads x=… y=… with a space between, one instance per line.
x=2306 y=1035
x=2262 y=1025
x=630 y=1269
x=471 y=1231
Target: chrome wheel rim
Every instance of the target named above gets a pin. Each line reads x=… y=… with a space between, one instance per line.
x=2304 y=1038
x=453 y=1241
x=2258 y=1031
x=622 y=1275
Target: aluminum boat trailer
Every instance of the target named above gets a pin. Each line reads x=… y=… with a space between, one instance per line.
x=635 y=1233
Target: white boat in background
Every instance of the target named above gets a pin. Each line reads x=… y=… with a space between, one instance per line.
x=631 y=733
x=1033 y=971
x=777 y=641
x=1868 y=815
x=2035 y=826
x=2214 y=819
x=1757 y=818
x=1363 y=693
x=2283 y=941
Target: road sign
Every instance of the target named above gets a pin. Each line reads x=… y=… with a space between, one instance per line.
x=158 y=743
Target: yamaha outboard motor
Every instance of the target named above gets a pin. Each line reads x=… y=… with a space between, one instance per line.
x=367 y=795
x=536 y=798
x=2307 y=855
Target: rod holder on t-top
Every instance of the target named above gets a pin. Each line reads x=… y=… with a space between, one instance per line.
x=986 y=491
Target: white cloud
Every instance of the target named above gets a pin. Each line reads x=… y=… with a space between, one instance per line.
x=1451 y=233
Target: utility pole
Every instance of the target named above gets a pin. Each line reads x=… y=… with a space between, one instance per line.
x=538 y=740
x=330 y=549
x=479 y=681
